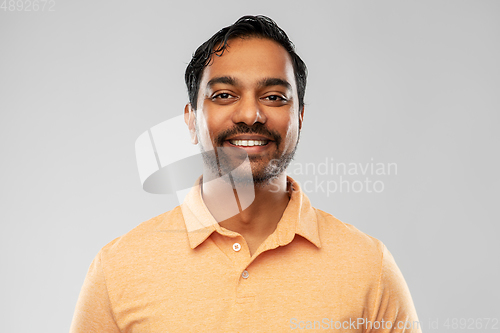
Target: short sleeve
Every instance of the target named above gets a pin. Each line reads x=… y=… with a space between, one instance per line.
x=93 y=311
x=394 y=309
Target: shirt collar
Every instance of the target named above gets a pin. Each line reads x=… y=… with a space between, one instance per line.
x=299 y=218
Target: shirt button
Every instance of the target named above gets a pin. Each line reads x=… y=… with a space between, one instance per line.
x=245 y=274
x=236 y=247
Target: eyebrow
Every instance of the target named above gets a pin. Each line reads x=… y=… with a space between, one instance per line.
x=267 y=82
x=222 y=79
x=274 y=81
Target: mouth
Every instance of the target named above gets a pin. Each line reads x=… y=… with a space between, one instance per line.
x=250 y=146
x=248 y=143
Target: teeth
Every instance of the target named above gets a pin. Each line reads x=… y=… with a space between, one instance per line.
x=248 y=143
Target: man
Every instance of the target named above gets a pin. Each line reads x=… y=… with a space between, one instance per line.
x=246 y=251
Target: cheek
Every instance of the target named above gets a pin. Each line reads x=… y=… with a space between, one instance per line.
x=291 y=133
x=203 y=128
x=209 y=125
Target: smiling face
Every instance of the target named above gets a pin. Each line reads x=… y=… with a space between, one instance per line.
x=247 y=102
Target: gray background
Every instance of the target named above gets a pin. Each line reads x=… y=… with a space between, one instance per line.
x=412 y=83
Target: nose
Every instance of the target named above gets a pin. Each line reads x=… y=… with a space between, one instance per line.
x=249 y=111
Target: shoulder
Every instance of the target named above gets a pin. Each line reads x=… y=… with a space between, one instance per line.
x=165 y=229
x=347 y=240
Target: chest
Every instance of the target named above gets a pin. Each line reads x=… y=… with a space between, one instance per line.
x=282 y=289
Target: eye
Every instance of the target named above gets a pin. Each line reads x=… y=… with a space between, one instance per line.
x=222 y=96
x=275 y=98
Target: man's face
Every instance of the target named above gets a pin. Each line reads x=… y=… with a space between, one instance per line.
x=247 y=102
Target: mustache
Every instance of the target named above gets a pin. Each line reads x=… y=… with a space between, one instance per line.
x=241 y=128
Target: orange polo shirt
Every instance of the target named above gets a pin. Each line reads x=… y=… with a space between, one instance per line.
x=314 y=272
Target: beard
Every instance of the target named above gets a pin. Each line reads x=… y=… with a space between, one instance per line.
x=241 y=168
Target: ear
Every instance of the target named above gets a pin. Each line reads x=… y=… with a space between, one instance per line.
x=190 y=120
x=301 y=118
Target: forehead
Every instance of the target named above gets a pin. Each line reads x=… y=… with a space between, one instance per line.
x=249 y=61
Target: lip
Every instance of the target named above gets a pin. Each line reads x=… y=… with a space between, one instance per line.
x=250 y=150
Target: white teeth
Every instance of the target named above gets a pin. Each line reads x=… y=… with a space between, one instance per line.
x=248 y=143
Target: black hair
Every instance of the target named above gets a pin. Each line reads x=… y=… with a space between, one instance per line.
x=246 y=26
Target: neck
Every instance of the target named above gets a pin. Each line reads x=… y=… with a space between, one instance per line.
x=250 y=210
